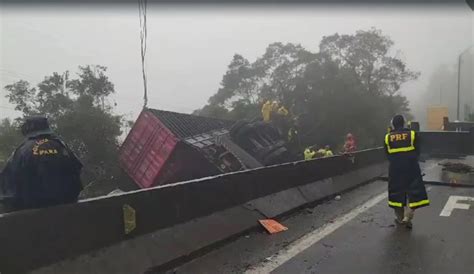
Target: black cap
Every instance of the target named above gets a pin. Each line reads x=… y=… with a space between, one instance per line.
x=36 y=125
x=398 y=121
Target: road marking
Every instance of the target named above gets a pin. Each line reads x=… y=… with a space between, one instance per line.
x=452 y=204
x=313 y=237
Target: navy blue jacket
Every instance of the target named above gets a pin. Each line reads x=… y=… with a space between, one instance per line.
x=42 y=172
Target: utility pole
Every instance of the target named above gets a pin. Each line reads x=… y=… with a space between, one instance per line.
x=440 y=101
x=459 y=80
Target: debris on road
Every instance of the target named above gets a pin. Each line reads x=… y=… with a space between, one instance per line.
x=457 y=167
x=368 y=220
x=337 y=198
x=272 y=226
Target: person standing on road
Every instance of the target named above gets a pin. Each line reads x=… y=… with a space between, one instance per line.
x=406 y=191
x=42 y=171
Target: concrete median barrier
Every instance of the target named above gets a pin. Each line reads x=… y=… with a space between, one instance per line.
x=445 y=144
x=89 y=236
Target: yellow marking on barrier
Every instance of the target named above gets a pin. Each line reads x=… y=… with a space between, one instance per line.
x=129 y=218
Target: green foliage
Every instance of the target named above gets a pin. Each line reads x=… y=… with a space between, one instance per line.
x=367 y=54
x=470 y=117
x=79 y=112
x=350 y=85
x=10 y=137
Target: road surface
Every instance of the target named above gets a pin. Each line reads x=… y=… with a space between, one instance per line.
x=357 y=234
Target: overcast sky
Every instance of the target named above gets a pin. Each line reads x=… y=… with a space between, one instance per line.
x=189 y=47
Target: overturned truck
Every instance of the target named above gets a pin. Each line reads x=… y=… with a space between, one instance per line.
x=165 y=147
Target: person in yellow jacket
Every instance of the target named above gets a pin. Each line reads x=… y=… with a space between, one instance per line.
x=309 y=153
x=266 y=111
x=328 y=152
x=283 y=111
x=320 y=153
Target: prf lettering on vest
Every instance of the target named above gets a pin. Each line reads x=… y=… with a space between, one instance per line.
x=398 y=137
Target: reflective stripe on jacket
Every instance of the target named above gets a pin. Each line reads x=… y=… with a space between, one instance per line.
x=400 y=141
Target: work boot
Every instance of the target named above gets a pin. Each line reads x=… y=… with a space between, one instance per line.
x=399 y=215
x=408 y=217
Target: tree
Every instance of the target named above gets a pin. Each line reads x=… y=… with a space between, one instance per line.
x=10 y=137
x=79 y=111
x=350 y=85
x=470 y=117
x=368 y=54
x=245 y=85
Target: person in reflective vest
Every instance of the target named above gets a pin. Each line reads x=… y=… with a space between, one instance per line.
x=309 y=153
x=406 y=191
x=292 y=134
x=266 y=111
x=328 y=151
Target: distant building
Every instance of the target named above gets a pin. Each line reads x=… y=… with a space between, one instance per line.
x=435 y=117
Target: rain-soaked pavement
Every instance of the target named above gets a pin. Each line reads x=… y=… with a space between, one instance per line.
x=323 y=240
x=372 y=244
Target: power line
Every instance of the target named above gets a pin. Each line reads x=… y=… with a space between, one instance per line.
x=143 y=35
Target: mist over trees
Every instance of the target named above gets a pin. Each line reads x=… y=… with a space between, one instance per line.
x=350 y=85
x=79 y=111
x=442 y=90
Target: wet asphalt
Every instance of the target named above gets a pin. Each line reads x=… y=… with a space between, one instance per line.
x=370 y=243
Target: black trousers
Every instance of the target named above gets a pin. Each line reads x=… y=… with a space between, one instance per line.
x=405 y=186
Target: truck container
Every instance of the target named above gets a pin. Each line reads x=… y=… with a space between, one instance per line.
x=155 y=151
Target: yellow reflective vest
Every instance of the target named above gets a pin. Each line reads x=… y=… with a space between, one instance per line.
x=309 y=154
x=400 y=141
x=328 y=153
x=266 y=111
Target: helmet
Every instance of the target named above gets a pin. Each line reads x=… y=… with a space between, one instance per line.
x=35 y=125
x=398 y=121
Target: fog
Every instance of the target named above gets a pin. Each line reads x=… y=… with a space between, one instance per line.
x=189 y=47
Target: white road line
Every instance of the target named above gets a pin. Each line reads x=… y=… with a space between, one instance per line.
x=452 y=204
x=313 y=237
